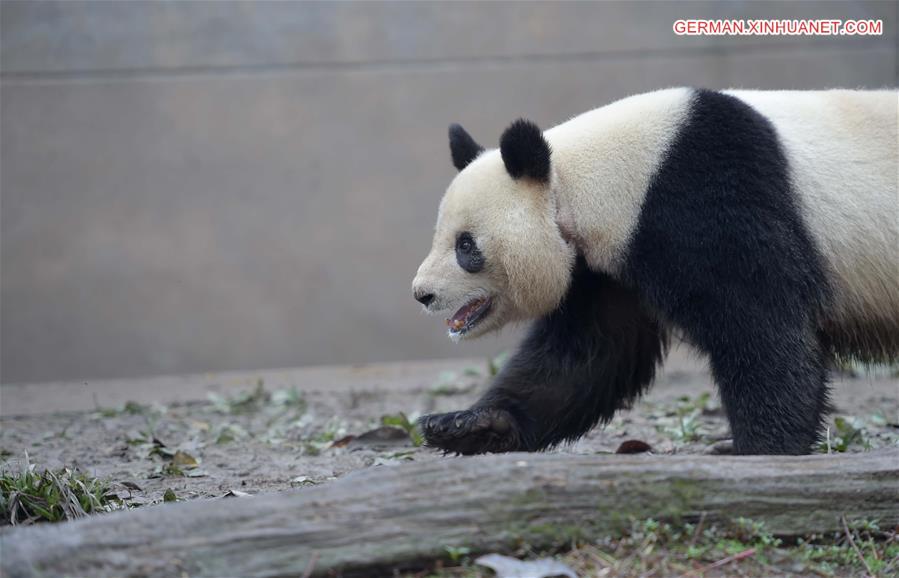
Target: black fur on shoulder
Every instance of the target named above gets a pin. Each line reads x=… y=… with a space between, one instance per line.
x=595 y=354
x=722 y=253
x=525 y=152
x=463 y=148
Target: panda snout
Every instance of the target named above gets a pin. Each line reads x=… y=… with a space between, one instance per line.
x=423 y=297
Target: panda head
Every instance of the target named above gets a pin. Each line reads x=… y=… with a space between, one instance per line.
x=498 y=254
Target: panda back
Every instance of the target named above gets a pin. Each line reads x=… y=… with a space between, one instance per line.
x=842 y=147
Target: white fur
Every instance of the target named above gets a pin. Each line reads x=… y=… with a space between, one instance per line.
x=603 y=161
x=843 y=150
x=528 y=263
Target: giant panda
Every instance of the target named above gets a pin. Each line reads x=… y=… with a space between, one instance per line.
x=760 y=227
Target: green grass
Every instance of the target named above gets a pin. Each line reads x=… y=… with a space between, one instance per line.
x=740 y=548
x=403 y=422
x=31 y=496
x=847 y=433
x=683 y=423
x=862 y=546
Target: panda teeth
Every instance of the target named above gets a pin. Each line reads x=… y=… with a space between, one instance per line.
x=467 y=316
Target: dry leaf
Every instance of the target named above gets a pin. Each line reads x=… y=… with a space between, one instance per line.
x=633 y=447
x=343 y=442
x=184 y=460
x=236 y=494
x=384 y=436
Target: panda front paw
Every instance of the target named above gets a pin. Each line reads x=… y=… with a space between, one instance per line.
x=472 y=431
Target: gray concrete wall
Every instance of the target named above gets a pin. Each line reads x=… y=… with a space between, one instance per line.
x=212 y=186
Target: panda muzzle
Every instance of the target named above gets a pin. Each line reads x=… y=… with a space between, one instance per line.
x=469 y=314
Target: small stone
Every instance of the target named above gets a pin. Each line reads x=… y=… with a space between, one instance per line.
x=722 y=448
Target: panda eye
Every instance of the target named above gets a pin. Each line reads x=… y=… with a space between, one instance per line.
x=465 y=243
x=468 y=255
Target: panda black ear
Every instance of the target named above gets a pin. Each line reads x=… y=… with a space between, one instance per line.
x=525 y=151
x=463 y=148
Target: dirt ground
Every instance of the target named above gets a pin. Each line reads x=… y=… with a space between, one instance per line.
x=275 y=431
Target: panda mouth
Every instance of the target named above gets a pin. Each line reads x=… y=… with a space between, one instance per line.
x=468 y=316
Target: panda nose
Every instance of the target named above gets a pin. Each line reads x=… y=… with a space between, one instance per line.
x=424 y=298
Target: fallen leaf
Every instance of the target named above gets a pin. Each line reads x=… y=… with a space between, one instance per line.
x=343 y=442
x=169 y=496
x=381 y=437
x=184 y=460
x=236 y=494
x=633 y=447
x=507 y=567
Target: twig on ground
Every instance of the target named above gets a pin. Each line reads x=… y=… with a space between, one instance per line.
x=698 y=530
x=723 y=562
x=855 y=547
x=310 y=567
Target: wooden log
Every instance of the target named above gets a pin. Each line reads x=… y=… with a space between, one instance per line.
x=388 y=517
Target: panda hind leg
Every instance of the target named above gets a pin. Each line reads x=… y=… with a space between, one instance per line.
x=774 y=391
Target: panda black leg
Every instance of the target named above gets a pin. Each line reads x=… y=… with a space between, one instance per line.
x=774 y=390
x=722 y=251
x=595 y=354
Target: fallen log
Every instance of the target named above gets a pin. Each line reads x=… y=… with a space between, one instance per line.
x=389 y=517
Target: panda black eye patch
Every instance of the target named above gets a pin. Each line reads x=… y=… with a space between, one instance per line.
x=468 y=255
